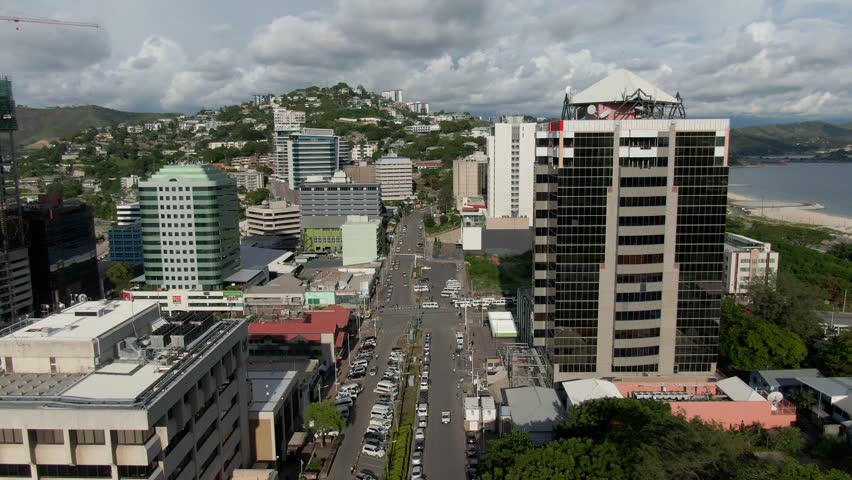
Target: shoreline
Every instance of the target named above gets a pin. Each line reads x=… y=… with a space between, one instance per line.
x=805 y=213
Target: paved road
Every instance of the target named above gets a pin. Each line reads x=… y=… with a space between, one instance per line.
x=391 y=323
x=444 y=456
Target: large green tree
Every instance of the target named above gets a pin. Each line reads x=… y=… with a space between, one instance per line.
x=748 y=343
x=836 y=355
x=120 y=274
x=786 y=302
x=571 y=458
x=324 y=417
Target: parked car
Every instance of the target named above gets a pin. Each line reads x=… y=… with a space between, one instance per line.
x=417 y=458
x=373 y=450
x=420 y=434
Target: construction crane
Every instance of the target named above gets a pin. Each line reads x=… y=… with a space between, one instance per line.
x=48 y=21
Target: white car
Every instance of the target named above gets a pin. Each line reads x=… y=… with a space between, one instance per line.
x=424 y=385
x=417 y=458
x=445 y=417
x=420 y=434
x=373 y=450
x=417 y=472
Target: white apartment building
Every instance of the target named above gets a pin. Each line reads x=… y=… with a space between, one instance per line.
x=248 y=179
x=422 y=129
x=747 y=259
x=129 y=182
x=469 y=177
x=236 y=144
x=418 y=107
x=111 y=390
x=287 y=120
x=394 y=174
x=275 y=218
x=363 y=151
x=128 y=213
x=393 y=95
x=511 y=154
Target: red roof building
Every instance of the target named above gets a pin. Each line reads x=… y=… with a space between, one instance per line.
x=320 y=334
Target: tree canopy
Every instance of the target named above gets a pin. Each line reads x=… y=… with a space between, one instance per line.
x=323 y=417
x=636 y=439
x=752 y=344
x=836 y=355
x=786 y=302
x=120 y=274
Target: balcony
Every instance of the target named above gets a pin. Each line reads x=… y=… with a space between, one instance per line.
x=138 y=454
x=15 y=453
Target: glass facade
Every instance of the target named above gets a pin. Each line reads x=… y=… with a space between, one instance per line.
x=125 y=244
x=584 y=303
x=701 y=179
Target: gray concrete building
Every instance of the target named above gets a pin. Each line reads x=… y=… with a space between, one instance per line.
x=111 y=390
x=340 y=196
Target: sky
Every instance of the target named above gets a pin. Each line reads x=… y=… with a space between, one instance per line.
x=761 y=60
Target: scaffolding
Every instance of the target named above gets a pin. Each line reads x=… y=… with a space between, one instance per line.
x=635 y=106
x=526 y=366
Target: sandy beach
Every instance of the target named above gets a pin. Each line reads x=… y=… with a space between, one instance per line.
x=802 y=215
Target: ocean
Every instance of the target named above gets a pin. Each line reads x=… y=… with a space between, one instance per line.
x=829 y=184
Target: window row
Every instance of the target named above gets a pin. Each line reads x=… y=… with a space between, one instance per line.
x=635 y=351
x=630 y=182
x=638 y=296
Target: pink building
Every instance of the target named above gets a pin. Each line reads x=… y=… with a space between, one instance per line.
x=729 y=402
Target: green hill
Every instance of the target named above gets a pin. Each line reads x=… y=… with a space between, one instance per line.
x=801 y=137
x=48 y=124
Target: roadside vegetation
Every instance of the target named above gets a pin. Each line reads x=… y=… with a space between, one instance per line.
x=496 y=273
x=629 y=439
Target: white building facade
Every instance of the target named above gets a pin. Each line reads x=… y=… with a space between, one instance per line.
x=747 y=260
x=511 y=175
x=394 y=174
x=128 y=213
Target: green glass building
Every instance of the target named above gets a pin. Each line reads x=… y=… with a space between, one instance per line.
x=190 y=227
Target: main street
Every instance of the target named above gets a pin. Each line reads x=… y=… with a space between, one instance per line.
x=390 y=323
x=444 y=455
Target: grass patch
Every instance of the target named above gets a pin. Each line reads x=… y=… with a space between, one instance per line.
x=495 y=273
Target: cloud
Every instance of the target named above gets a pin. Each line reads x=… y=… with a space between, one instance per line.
x=36 y=48
x=728 y=57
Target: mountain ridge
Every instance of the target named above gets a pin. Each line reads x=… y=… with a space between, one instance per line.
x=40 y=125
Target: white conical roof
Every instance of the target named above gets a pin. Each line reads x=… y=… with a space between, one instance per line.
x=617 y=85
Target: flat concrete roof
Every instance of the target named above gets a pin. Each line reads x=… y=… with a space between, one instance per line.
x=118 y=381
x=268 y=388
x=502 y=324
x=84 y=321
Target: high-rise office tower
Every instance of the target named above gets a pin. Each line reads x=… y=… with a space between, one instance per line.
x=394 y=174
x=15 y=290
x=286 y=122
x=511 y=155
x=190 y=227
x=630 y=228
x=313 y=152
x=63 y=252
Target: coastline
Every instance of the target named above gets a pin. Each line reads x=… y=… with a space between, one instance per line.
x=804 y=214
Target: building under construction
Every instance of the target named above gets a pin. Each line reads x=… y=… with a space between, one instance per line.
x=15 y=286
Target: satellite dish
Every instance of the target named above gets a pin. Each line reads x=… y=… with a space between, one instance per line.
x=592 y=110
x=568 y=90
x=82 y=298
x=775 y=397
